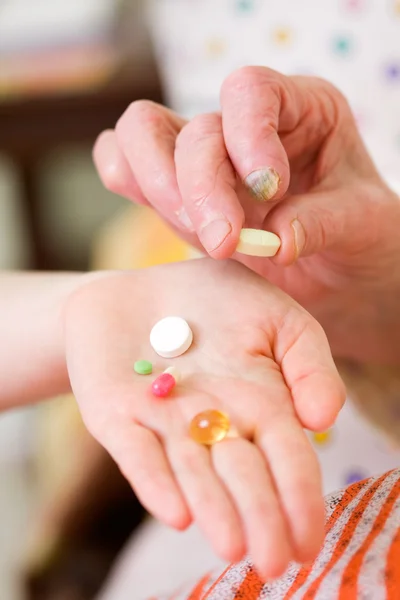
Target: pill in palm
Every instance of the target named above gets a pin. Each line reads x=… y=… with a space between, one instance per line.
x=171 y=337
x=163 y=385
x=174 y=372
x=209 y=427
x=143 y=367
x=256 y=242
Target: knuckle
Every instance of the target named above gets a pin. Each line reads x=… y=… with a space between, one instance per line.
x=199 y=129
x=202 y=189
x=143 y=110
x=143 y=113
x=336 y=95
x=207 y=124
x=200 y=193
x=333 y=103
x=247 y=79
x=163 y=190
x=202 y=139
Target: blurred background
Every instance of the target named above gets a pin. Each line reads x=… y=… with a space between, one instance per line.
x=68 y=70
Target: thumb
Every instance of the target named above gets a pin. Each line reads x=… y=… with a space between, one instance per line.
x=316 y=222
x=303 y=353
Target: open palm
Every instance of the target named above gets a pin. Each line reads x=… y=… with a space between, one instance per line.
x=257 y=356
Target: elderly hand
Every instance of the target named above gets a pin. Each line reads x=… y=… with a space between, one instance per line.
x=283 y=155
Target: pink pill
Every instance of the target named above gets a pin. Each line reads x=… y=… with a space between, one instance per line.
x=163 y=385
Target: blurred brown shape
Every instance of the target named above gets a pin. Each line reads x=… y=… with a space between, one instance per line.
x=375 y=391
x=32 y=126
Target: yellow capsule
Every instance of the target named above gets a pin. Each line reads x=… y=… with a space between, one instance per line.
x=209 y=427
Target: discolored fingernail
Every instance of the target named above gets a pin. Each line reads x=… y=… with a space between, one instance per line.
x=184 y=219
x=214 y=233
x=299 y=237
x=263 y=184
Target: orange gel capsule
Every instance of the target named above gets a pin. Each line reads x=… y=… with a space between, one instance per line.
x=209 y=427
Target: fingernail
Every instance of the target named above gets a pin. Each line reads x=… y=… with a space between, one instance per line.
x=184 y=219
x=299 y=237
x=263 y=184
x=214 y=234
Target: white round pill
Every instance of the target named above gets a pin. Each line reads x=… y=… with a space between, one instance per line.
x=171 y=337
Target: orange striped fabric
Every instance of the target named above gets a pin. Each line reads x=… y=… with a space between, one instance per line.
x=345 y=536
x=216 y=583
x=392 y=571
x=350 y=494
x=360 y=557
x=198 y=591
x=348 y=588
x=251 y=586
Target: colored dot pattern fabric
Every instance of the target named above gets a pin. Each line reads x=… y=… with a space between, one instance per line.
x=322 y=438
x=355 y=44
x=352 y=450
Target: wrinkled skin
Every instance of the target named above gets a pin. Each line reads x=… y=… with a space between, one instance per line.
x=337 y=219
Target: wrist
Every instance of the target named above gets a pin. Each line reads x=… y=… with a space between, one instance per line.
x=362 y=319
x=32 y=353
x=68 y=285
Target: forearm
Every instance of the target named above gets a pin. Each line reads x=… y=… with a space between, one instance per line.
x=32 y=357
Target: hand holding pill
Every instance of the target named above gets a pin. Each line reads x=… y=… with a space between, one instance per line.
x=284 y=159
x=225 y=447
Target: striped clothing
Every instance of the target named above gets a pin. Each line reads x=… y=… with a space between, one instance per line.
x=360 y=559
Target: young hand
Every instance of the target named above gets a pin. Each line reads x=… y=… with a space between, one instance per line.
x=257 y=356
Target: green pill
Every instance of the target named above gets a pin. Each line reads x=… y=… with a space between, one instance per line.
x=143 y=367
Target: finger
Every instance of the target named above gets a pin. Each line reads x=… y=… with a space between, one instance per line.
x=257 y=103
x=142 y=460
x=303 y=353
x=147 y=133
x=110 y=398
x=243 y=469
x=332 y=220
x=114 y=170
x=296 y=475
x=207 y=181
x=210 y=505
x=266 y=116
